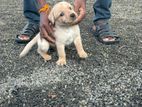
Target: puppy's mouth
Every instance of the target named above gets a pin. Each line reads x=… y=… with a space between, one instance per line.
x=67 y=23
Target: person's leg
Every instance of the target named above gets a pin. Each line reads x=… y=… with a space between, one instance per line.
x=101 y=28
x=30 y=11
x=102 y=9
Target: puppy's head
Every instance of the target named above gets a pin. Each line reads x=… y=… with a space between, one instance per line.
x=62 y=14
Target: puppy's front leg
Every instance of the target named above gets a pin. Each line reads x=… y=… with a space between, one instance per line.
x=79 y=47
x=61 y=54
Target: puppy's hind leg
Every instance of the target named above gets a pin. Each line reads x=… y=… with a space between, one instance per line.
x=43 y=47
x=44 y=55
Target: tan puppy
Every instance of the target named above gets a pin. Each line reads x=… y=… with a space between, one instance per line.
x=61 y=15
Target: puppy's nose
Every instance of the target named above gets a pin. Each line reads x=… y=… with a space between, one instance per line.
x=72 y=16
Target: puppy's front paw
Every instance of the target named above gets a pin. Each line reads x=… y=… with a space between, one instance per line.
x=61 y=62
x=83 y=54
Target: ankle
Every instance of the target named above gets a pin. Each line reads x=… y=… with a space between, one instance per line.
x=101 y=22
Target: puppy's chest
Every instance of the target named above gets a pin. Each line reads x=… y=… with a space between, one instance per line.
x=66 y=36
x=70 y=36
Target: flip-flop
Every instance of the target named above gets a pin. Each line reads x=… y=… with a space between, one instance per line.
x=30 y=30
x=103 y=30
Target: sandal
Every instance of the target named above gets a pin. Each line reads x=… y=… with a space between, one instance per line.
x=29 y=31
x=104 y=34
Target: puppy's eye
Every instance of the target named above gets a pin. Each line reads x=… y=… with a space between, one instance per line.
x=70 y=8
x=62 y=14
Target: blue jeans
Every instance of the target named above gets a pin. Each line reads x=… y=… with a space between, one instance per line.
x=31 y=11
x=101 y=10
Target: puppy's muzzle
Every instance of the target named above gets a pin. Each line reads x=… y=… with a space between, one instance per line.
x=72 y=16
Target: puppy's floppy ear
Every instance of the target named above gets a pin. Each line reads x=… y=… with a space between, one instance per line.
x=51 y=17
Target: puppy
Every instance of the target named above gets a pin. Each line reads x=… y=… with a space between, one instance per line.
x=62 y=16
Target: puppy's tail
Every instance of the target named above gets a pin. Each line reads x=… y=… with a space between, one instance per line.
x=28 y=47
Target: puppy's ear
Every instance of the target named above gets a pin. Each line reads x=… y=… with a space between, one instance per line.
x=51 y=17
